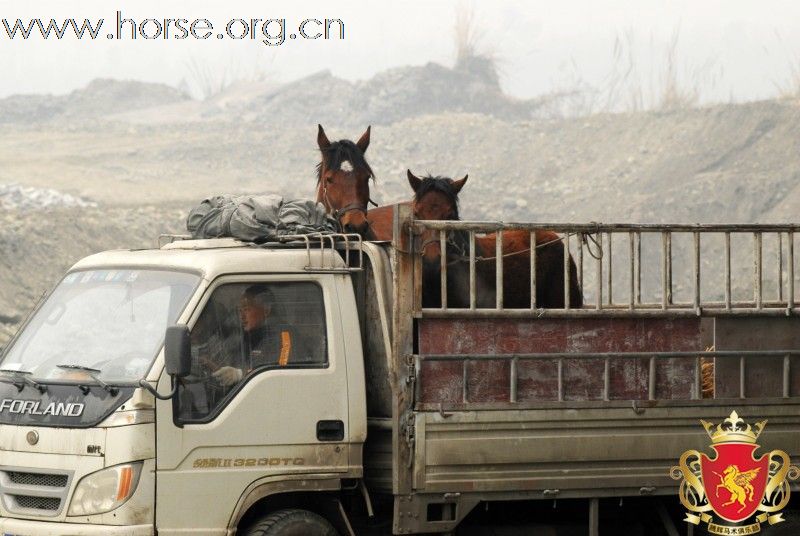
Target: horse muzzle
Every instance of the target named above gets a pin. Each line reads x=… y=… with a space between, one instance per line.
x=353 y=219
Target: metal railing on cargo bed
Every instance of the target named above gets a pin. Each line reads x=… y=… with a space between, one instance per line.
x=466 y=386
x=627 y=269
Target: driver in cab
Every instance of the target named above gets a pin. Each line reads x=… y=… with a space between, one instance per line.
x=264 y=342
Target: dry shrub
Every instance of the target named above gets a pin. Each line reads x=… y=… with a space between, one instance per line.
x=471 y=55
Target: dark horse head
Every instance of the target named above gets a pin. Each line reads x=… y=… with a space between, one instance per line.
x=435 y=198
x=343 y=176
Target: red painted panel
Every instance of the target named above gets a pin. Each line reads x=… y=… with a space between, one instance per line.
x=538 y=380
x=441 y=382
x=488 y=381
x=583 y=380
x=535 y=381
x=542 y=335
x=628 y=379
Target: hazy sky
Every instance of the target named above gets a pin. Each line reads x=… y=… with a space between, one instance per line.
x=734 y=49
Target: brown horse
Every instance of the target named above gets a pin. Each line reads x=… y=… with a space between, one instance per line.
x=436 y=198
x=380 y=221
x=343 y=176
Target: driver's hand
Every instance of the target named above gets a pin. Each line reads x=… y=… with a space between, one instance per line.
x=228 y=376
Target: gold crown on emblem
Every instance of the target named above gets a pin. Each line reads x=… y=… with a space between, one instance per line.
x=733 y=430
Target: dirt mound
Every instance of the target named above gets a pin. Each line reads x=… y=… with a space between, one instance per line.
x=472 y=86
x=101 y=97
x=730 y=163
x=26 y=109
x=389 y=97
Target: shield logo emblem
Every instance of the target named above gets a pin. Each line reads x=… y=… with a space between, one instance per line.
x=734 y=480
x=733 y=484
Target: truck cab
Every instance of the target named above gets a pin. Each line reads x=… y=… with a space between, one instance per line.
x=86 y=449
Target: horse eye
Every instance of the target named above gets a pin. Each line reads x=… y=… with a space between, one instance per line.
x=329 y=179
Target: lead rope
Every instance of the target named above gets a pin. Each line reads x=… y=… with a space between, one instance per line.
x=461 y=256
x=590 y=236
x=585 y=239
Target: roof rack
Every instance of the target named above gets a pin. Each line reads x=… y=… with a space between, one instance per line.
x=164 y=239
x=346 y=243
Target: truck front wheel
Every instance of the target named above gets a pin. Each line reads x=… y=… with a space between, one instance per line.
x=292 y=523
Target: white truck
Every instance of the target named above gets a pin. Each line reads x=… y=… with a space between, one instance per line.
x=356 y=411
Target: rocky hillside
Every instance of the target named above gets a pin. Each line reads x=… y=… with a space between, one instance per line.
x=726 y=163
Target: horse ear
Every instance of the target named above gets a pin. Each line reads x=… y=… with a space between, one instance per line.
x=363 y=141
x=414 y=181
x=322 y=139
x=457 y=185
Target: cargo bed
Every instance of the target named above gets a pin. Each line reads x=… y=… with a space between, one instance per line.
x=479 y=405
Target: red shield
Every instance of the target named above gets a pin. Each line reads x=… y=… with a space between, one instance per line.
x=734 y=481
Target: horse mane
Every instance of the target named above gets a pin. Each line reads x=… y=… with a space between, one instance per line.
x=343 y=151
x=442 y=185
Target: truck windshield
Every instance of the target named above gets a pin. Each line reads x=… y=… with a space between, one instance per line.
x=112 y=321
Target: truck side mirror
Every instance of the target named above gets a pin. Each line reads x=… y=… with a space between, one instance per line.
x=178 y=351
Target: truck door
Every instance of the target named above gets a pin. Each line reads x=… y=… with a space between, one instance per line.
x=266 y=400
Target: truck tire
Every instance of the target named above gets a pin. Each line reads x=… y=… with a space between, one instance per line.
x=292 y=523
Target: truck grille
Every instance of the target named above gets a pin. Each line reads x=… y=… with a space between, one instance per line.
x=33 y=492
x=38 y=479
x=36 y=503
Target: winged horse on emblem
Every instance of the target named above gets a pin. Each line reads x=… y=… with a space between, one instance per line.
x=738 y=484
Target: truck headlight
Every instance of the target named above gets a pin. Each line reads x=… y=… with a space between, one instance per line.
x=105 y=490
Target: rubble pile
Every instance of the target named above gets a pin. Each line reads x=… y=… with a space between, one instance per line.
x=18 y=197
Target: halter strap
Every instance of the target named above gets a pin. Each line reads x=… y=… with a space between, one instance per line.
x=337 y=213
x=449 y=241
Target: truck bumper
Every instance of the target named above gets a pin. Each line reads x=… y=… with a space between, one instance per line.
x=23 y=527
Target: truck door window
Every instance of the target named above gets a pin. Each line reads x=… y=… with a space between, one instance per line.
x=247 y=329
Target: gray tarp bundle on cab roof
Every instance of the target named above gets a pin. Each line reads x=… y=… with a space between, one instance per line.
x=257 y=218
